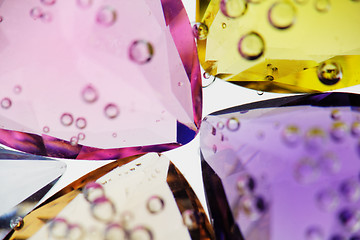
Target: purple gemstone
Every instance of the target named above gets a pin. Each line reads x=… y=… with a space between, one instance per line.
x=298 y=181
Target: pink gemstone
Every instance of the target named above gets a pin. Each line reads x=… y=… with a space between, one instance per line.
x=79 y=61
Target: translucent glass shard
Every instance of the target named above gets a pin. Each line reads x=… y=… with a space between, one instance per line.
x=132 y=198
x=290 y=170
x=281 y=46
x=24 y=180
x=86 y=79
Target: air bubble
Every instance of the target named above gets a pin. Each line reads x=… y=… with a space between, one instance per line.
x=84 y=3
x=93 y=191
x=89 y=94
x=115 y=232
x=106 y=16
x=338 y=131
x=6 y=103
x=59 y=228
x=233 y=124
x=103 y=209
x=141 y=233
x=329 y=73
x=66 y=119
x=46 y=129
x=350 y=190
x=36 y=13
x=306 y=170
x=80 y=123
x=327 y=200
x=16 y=223
x=291 y=135
x=314 y=233
x=355 y=129
x=233 y=8
x=111 y=110
x=200 y=31
x=141 y=51
x=48 y=2
x=17 y=89
x=251 y=46
x=282 y=15
x=155 y=204
x=322 y=5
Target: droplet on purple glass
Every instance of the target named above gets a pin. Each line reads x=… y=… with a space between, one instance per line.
x=111 y=110
x=338 y=131
x=355 y=129
x=80 y=123
x=89 y=94
x=327 y=200
x=6 y=103
x=48 y=2
x=350 y=219
x=220 y=125
x=315 y=138
x=233 y=124
x=252 y=207
x=66 y=119
x=291 y=135
x=36 y=13
x=106 y=16
x=84 y=3
x=335 y=114
x=141 y=51
x=314 y=233
x=330 y=163
x=350 y=190
x=306 y=170
x=214 y=148
x=245 y=184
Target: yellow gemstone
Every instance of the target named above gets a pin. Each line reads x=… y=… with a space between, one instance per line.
x=282 y=45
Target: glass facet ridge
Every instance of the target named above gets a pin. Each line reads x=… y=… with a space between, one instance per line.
x=286 y=168
x=97 y=80
x=280 y=45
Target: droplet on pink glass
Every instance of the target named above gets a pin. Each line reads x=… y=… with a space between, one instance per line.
x=141 y=51
x=89 y=94
x=1 y=19
x=74 y=140
x=114 y=135
x=6 y=103
x=111 y=110
x=46 y=17
x=81 y=136
x=46 y=129
x=106 y=16
x=66 y=119
x=80 y=123
x=36 y=13
x=17 y=89
x=84 y=3
x=48 y=2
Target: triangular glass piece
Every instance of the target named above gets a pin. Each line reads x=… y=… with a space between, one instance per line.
x=24 y=181
x=280 y=46
x=141 y=197
x=96 y=76
x=286 y=168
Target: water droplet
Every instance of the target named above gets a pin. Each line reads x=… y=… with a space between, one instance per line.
x=1 y=19
x=306 y=170
x=350 y=219
x=17 y=89
x=355 y=129
x=80 y=123
x=252 y=207
x=220 y=125
x=106 y=16
x=126 y=218
x=233 y=8
x=59 y=228
x=46 y=129
x=259 y=93
x=84 y=3
x=245 y=184
x=76 y=232
x=301 y=1
x=214 y=148
x=66 y=119
x=155 y=204
x=327 y=200
x=111 y=110
x=141 y=51
x=89 y=94
x=6 y=103
x=93 y=191
x=115 y=232
x=16 y=223
x=282 y=15
x=350 y=190
x=251 y=46
x=322 y=5
x=335 y=114
x=200 y=31
x=233 y=124
x=337 y=237
x=329 y=73
x=74 y=140
x=103 y=209
x=338 y=131
x=141 y=233
x=46 y=17
x=330 y=163
x=192 y=219
x=269 y=78
x=208 y=80
x=48 y=2
x=291 y=135
x=213 y=131
x=315 y=138
x=114 y=135
x=36 y=13
x=223 y=25
x=314 y=233
x=180 y=84
x=81 y=136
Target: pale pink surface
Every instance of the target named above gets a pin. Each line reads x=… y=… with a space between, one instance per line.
x=68 y=47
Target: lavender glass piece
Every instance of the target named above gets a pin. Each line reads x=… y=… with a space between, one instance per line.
x=97 y=80
x=285 y=168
